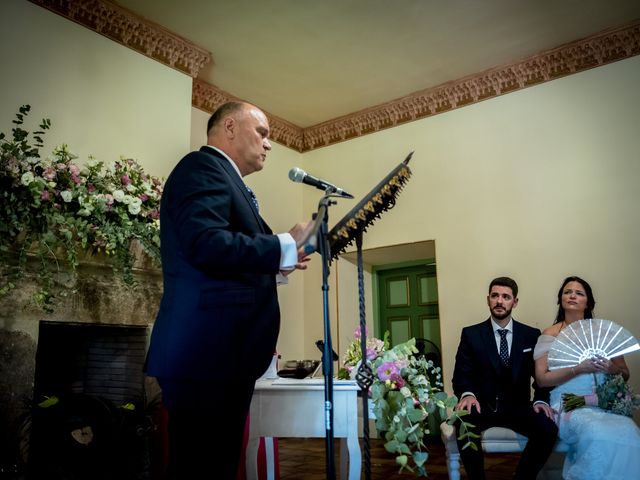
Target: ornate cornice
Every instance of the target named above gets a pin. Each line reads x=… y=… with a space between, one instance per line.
x=130 y=30
x=126 y=28
x=606 y=47
x=208 y=97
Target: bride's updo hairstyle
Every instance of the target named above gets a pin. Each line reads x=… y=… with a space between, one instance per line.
x=591 y=303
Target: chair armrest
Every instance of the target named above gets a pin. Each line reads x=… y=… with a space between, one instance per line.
x=448 y=436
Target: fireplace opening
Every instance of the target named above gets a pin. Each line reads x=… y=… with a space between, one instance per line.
x=92 y=417
x=104 y=361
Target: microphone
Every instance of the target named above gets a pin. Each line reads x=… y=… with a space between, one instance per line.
x=298 y=175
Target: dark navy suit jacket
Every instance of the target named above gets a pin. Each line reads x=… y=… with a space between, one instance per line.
x=478 y=367
x=219 y=315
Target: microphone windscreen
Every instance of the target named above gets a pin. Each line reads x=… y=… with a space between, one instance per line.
x=296 y=174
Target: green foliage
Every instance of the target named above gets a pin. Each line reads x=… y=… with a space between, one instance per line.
x=406 y=391
x=53 y=209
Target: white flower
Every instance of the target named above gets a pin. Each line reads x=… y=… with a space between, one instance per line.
x=134 y=206
x=26 y=179
x=66 y=195
x=118 y=195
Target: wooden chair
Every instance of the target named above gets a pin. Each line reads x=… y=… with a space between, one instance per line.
x=500 y=440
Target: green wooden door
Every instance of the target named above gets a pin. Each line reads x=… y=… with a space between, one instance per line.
x=408 y=303
x=408 y=307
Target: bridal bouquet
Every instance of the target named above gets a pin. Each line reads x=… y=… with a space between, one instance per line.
x=614 y=394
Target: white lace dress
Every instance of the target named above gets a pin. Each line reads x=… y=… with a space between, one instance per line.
x=602 y=445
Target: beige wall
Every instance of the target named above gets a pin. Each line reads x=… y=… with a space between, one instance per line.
x=102 y=98
x=538 y=184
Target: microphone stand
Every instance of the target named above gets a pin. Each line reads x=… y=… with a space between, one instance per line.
x=319 y=237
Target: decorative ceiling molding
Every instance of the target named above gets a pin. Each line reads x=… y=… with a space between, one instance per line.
x=148 y=38
x=130 y=30
x=208 y=97
x=594 y=51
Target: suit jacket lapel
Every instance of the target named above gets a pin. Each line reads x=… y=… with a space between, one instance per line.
x=489 y=339
x=239 y=184
x=516 y=349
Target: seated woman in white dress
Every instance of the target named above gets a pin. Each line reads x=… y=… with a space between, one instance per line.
x=603 y=445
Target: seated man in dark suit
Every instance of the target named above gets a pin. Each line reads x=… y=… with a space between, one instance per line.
x=493 y=376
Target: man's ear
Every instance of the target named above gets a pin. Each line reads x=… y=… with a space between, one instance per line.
x=515 y=302
x=229 y=127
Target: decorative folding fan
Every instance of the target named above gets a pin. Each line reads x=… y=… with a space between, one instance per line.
x=589 y=338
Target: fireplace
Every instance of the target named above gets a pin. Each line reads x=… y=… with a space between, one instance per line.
x=98 y=360
x=92 y=418
x=87 y=358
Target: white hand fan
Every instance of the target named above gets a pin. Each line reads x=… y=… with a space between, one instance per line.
x=589 y=338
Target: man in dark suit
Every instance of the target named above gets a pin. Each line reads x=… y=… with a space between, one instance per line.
x=219 y=318
x=493 y=377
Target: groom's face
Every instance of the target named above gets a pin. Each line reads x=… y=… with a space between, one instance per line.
x=501 y=301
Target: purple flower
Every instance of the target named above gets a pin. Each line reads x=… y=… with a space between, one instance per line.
x=388 y=371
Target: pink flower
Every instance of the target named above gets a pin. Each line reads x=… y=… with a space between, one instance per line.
x=125 y=180
x=49 y=173
x=372 y=354
x=388 y=371
x=45 y=195
x=74 y=170
x=143 y=197
x=356 y=333
x=109 y=198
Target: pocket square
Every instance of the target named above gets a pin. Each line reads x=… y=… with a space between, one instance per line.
x=526 y=350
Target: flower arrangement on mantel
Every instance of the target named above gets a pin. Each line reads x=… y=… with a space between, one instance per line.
x=56 y=211
x=407 y=389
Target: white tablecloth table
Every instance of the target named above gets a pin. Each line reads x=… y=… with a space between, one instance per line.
x=295 y=408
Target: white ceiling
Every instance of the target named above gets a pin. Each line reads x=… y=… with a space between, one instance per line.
x=309 y=62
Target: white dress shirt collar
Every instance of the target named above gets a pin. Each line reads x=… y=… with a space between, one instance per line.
x=233 y=164
x=496 y=327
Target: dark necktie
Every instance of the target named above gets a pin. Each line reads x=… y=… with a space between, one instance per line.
x=253 y=197
x=504 y=347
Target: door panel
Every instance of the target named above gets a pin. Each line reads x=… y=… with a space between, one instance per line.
x=408 y=303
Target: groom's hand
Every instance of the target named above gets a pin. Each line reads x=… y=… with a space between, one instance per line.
x=467 y=403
